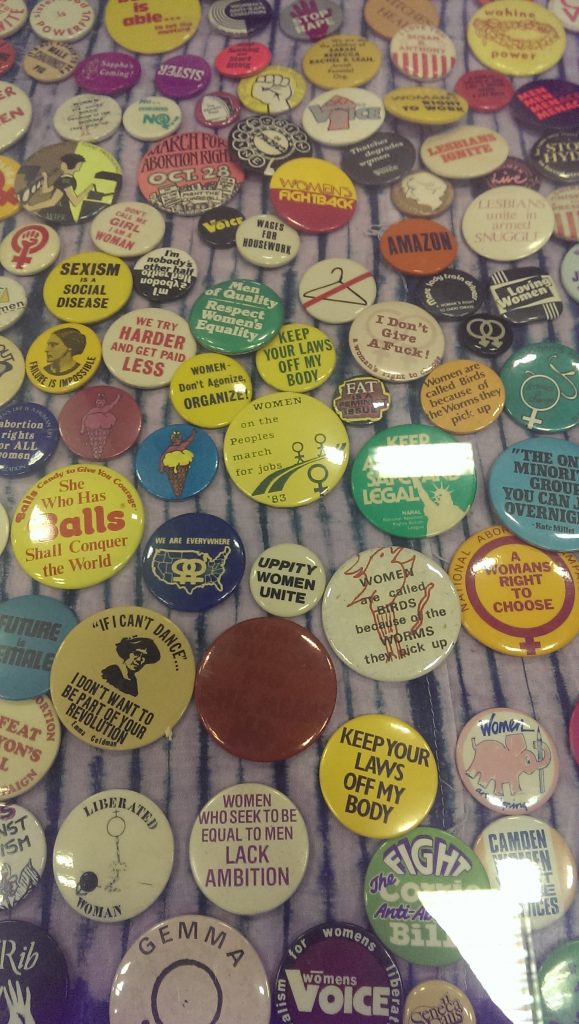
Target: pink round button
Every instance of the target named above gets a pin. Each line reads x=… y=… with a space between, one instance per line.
x=242 y=60
x=182 y=76
x=108 y=73
x=100 y=422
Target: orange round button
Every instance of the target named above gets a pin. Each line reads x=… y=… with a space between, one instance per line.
x=462 y=396
x=418 y=246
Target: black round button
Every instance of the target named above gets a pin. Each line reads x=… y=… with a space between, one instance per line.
x=217 y=227
x=263 y=142
x=486 y=334
x=381 y=160
x=448 y=295
x=556 y=156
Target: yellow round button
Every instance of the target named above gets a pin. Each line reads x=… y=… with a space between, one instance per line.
x=77 y=526
x=378 y=776
x=286 y=450
x=341 y=61
x=516 y=37
x=156 y=26
x=275 y=90
x=88 y=287
x=425 y=105
x=9 y=201
x=299 y=358
x=209 y=390
x=462 y=396
x=438 y=1000
x=63 y=358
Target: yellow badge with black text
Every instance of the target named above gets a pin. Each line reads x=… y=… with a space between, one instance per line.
x=63 y=358
x=88 y=287
x=299 y=358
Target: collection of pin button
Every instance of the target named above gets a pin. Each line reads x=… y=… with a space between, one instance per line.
x=525 y=605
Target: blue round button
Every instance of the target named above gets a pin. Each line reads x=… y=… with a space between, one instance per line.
x=534 y=489
x=28 y=438
x=176 y=462
x=193 y=562
x=32 y=629
x=569 y=272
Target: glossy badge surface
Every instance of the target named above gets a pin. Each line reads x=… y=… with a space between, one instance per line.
x=525 y=295
x=542 y=386
x=28 y=438
x=63 y=358
x=437 y=997
x=100 y=422
x=508 y=223
x=558 y=983
x=165 y=25
x=34 y=723
x=143 y=348
x=88 y=287
x=11 y=371
x=237 y=316
x=286 y=580
x=313 y=195
x=176 y=462
x=189 y=173
x=336 y=290
x=34 y=978
x=32 y=629
x=516 y=39
x=22 y=855
x=396 y=341
x=299 y=358
x=68 y=182
x=210 y=390
x=462 y=396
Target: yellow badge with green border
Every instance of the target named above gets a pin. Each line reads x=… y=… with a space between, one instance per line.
x=299 y=358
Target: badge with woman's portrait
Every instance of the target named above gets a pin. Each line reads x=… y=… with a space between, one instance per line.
x=68 y=182
x=63 y=358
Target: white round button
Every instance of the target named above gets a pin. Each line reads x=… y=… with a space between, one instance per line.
x=341 y=117
x=287 y=580
x=143 y=348
x=29 y=249
x=22 y=854
x=508 y=223
x=15 y=114
x=468 y=151
x=266 y=241
x=127 y=229
x=87 y=117
x=152 y=118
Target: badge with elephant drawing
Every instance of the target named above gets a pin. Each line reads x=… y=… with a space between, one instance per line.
x=507 y=761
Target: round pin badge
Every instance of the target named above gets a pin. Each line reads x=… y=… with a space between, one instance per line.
x=241 y=60
x=422 y=194
x=275 y=716
x=275 y=90
x=305 y=451
x=87 y=118
x=238 y=18
x=210 y=390
x=12 y=370
x=23 y=854
x=217 y=109
x=88 y=287
x=530 y=487
x=350 y=973
x=127 y=229
x=299 y=358
x=143 y=348
x=118 y=659
x=266 y=241
x=50 y=61
x=532 y=865
x=508 y=223
x=15 y=114
x=395 y=896
x=28 y=438
x=564 y=203
x=29 y=249
x=512 y=172
x=193 y=562
x=13 y=16
x=152 y=118
x=378 y=161
x=67 y=182
x=448 y=295
x=231 y=866
x=7 y=56
x=542 y=386
x=385 y=17
x=546 y=104
x=235 y=317
x=414 y=481
x=410 y=628
x=108 y=74
x=361 y=400
x=556 y=157
x=310 y=24
x=464 y=152
x=13 y=301
x=63 y=358
x=182 y=76
x=40 y=992
x=163 y=275
x=32 y=629
x=336 y=290
x=262 y=143
x=313 y=195
x=175 y=463
x=441 y=997
x=287 y=580
x=173 y=174
x=422 y=52
x=516 y=38
x=426 y=105
x=100 y=423
x=516 y=598
x=351 y=781
x=4 y=528
x=343 y=116
x=166 y=25
x=93 y=529
x=462 y=396
x=396 y=341
x=525 y=295
x=507 y=761
x=218 y=228
x=485 y=92
x=343 y=61
x=9 y=201
x=26 y=763
x=418 y=247
x=485 y=335
x=568 y=272
x=558 y=974
x=60 y=20
x=574 y=733
x=113 y=855
x=190 y=964
x=568 y=13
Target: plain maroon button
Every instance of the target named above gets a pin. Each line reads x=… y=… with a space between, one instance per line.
x=265 y=689
x=485 y=91
x=100 y=422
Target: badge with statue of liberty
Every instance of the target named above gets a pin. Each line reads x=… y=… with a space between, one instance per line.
x=414 y=480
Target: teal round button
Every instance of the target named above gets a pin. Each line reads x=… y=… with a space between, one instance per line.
x=414 y=480
x=236 y=316
x=542 y=386
x=405 y=890
x=534 y=489
x=558 y=981
x=32 y=629
x=569 y=272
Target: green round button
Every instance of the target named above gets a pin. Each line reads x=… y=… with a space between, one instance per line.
x=236 y=316
x=414 y=480
x=405 y=892
x=559 y=987
x=542 y=386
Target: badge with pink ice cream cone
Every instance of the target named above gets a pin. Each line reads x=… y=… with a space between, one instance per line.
x=100 y=423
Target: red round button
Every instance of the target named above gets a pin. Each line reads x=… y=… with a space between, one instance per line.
x=485 y=91
x=7 y=56
x=266 y=689
x=418 y=246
